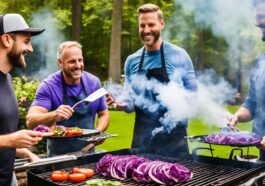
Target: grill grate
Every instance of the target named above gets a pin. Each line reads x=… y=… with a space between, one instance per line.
x=204 y=174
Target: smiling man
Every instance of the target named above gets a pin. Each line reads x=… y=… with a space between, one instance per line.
x=58 y=93
x=15 y=43
x=158 y=60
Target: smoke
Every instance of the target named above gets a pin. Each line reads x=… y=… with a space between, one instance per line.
x=45 y=45
x=232 y=20
x=208 y=103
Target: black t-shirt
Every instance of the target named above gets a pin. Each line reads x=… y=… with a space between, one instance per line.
x=8 y=124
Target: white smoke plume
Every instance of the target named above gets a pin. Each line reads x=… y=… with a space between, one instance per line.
x=232 y=20
x=208 y=102
x=48 y=41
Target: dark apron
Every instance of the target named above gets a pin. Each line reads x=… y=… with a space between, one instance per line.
x=82 y=118
x=145 y=122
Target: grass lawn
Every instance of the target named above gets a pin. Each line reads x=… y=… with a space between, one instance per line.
x=122 y=123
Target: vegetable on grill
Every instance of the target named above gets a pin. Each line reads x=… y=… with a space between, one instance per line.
x=86 y=171
x=101 y=182
x=234 y=138
x=142 y=170
x=77 y=177
x=59 y=176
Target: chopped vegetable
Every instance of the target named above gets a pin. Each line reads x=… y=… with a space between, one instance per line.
x=41 y=128
x=101 y=182
x=234 y=138
x=60 y=131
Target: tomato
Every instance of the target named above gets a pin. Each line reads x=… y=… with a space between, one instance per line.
x=77 y=177
x=59 y=176
x=88 y=172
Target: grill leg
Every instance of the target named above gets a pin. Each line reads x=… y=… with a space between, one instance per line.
x=231 y=156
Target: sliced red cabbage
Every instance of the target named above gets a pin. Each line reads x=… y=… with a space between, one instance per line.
x=142 y=170
x=41 y=128
x=237 y=138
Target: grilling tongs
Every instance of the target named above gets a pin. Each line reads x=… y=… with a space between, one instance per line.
x=93 y=97
x=232 y=128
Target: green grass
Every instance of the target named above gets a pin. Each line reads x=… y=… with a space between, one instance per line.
x=121 y=123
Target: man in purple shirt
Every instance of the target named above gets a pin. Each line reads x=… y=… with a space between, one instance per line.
x=59 y=92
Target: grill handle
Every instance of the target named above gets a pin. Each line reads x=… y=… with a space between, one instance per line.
x=232 y=155
x=195 y=150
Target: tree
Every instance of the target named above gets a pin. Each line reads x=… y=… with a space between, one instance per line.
x=115 y=44
x=76 y=19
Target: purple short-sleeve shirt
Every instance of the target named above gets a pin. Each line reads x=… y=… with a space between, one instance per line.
x=50 y=92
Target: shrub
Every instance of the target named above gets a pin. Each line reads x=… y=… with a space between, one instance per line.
x=25 y=92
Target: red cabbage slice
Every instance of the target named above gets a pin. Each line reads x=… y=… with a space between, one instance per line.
x=41 y=128
x=234 y=138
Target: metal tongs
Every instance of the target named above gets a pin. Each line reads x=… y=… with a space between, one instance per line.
x=232 y=128
x=97 y=137
x=92 y=97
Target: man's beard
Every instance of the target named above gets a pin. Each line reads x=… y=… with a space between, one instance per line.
x=16 y=58
x=68 y=74
x=155 y=35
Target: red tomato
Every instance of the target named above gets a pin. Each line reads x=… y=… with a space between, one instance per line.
x=59 y=176
x=86 y=171
x=77 y=177
x=76 y=170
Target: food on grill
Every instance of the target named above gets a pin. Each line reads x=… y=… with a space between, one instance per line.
x=234 y=138
x=101 y=182
x=86 y=171
x=77 y=177
x=59 y=176
x=142 y=170
x=119 y=167
x=162 y=172
x=42 y=128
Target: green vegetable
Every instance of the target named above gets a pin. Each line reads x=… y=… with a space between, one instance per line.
x=101 y=182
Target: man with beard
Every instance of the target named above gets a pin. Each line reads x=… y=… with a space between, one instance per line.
x=15 y=43
x=157 y=61
x=59 y=92
x=253 y=107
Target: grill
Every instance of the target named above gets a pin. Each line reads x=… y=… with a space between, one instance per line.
x=206 y=170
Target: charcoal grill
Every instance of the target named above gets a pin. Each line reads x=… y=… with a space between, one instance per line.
x=206 y=170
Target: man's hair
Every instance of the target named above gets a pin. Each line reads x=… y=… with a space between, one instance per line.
x=257 y=2
x=66 y=44
x=147 y=8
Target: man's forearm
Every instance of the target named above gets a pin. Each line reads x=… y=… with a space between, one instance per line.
x=243 y=115
x=103 y=121
x=36 y=119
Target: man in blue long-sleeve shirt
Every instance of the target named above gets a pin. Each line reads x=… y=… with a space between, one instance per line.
x=253 y=107
x=157 y=63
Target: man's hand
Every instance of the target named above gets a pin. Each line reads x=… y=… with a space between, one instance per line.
x=262 y=143
x=110 y=101
x=26 y=153
x=24 y=138
x=63 y=112
x=232 y=120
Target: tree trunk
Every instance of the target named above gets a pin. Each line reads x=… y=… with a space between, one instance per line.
x=115 y=43
x=76 y=19
x=200 y=50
